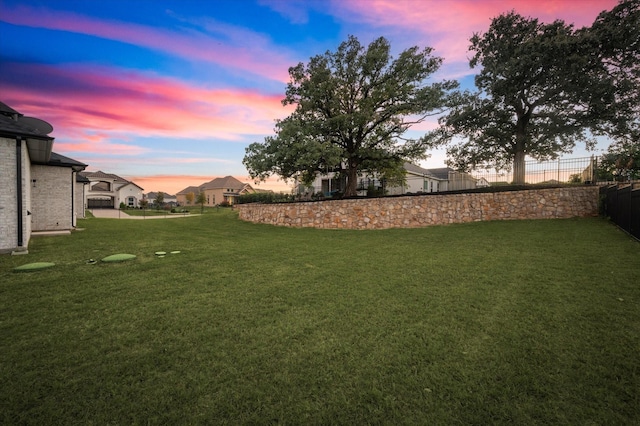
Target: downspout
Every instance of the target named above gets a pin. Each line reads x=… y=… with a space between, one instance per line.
x=73 y=205
x=19 y=189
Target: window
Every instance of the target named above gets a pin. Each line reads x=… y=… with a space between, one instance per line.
x=131 y=201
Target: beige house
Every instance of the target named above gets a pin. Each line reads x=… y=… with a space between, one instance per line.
x=39 y=189
x=417 y=180
x=107 y=191
x=216 y=191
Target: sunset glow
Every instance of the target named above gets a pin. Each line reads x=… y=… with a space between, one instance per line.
x=169 y=93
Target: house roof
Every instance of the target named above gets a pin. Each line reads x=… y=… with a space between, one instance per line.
x=134 y=184
x=412 y=168
x=153 y=194
x=62 y=161
x=12 y=124
x=441 y=173
x=102 y=175
x=189 y=189
x=227 y=182
x=81 y=179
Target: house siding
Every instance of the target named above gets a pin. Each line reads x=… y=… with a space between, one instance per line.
x=9 y=193
x=78 y=200
x=51 y=198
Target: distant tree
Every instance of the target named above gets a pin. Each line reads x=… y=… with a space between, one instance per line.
x=144 y=203
x=352 y=108
x=159 y=200
x=575 y=178
x=190 y=197
x=620 y=163
x=202 y=200
x=539 y=93
x=614 y=38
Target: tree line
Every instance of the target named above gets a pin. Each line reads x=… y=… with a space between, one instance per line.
x=541 y=89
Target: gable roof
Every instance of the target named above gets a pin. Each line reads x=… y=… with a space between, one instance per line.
x=62 y=161
x=102 y=175
x=412 y=168
x=189 y=189
x=441 y=173
x=227 y=182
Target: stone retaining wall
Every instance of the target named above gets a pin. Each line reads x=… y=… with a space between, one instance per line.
x=426 y=210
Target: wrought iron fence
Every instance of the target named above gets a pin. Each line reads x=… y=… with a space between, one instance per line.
x=567 y=170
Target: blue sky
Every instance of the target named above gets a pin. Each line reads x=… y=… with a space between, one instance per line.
x=170 y=93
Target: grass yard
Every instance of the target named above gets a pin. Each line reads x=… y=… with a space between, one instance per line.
x=531 y=322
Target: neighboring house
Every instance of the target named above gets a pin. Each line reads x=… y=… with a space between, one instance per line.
x=106 y=190
x=417 y=180
x=455 y=181
x=168 y=198
x=216 y=191
x=38 y=187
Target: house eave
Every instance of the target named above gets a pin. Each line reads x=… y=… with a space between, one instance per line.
x=39 y=150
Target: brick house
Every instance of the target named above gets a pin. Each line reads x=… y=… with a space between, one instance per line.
x=417 y=180
x=106 y=190
x=218 y=190
x=39 y=188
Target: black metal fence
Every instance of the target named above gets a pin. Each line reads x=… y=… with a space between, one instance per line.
x=565 y=170
x=621 y=203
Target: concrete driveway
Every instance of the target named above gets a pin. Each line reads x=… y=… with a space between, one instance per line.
x=118 y=214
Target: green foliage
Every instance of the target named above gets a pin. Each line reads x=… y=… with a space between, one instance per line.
x=620 y=163
x=159 y=202
x=352 y=106
x=543 y=88
x=201 y=199
x=264 y=197
x=615 y=39
x=575 y=178
x=530 y=90
x=123 y=206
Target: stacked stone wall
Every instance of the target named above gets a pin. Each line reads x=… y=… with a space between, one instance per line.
x=427 y=210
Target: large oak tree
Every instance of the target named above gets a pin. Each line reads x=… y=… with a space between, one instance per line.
x=530 y=99
x=352 y=108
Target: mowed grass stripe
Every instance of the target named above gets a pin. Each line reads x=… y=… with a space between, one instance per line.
x=486 y=323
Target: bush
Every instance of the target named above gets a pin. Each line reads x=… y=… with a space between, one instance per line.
x=264 y=197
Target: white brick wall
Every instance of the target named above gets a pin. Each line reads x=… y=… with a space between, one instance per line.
x=78 y=200
x=51 y=198
x=8 y=196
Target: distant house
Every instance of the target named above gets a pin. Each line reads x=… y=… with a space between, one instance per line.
x=38 y=187
x=417 y=180
x=455 y=181
x=106 y=190
x=168 y=198
x=216 y=191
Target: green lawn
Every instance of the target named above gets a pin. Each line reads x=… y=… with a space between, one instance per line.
x=522 y=322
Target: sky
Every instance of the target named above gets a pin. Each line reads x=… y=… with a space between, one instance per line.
x=169 y=93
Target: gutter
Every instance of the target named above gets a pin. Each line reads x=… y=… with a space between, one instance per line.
x=19 y=189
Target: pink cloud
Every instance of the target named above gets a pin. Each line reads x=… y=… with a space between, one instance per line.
x=255 y=58
x=448 y=25
x=87 y=105
x=172 y=184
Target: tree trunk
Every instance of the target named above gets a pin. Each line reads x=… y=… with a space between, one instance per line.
x=351 y=189
x=518 y=168
x=519 y=155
